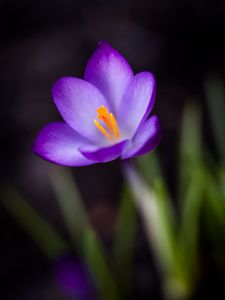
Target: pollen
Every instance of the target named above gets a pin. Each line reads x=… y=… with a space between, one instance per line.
x=110 y=128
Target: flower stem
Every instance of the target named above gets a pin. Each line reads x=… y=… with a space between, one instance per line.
x=158 y=221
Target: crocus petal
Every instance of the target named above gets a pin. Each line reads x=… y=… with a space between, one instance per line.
x=58 y=143
x=146 y=139
x=137 y=103
x=104 y=154
x=77 y=101
x=109 y=71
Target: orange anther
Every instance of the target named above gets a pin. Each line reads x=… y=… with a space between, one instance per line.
x=115 y=127
x=102 y=129
x=110 y=122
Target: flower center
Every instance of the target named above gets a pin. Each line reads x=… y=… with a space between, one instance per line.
x=112 y=130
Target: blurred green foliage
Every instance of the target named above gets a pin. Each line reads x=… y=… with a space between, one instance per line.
x=200 y=195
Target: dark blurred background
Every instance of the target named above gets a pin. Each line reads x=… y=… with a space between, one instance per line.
x=181 y=42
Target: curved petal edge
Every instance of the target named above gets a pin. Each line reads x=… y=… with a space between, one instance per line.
x=146 y=139
x=104 y=154
x=58 y=143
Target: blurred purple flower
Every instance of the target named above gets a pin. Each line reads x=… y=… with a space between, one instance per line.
x=73 y=278
x=105 y=114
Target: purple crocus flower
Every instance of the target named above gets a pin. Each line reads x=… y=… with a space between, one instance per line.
x=105 y=114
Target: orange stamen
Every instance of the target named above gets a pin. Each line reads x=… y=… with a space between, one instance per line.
x=110 y=122
x=102 y=129
x=103 y=114
x=115 y=127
